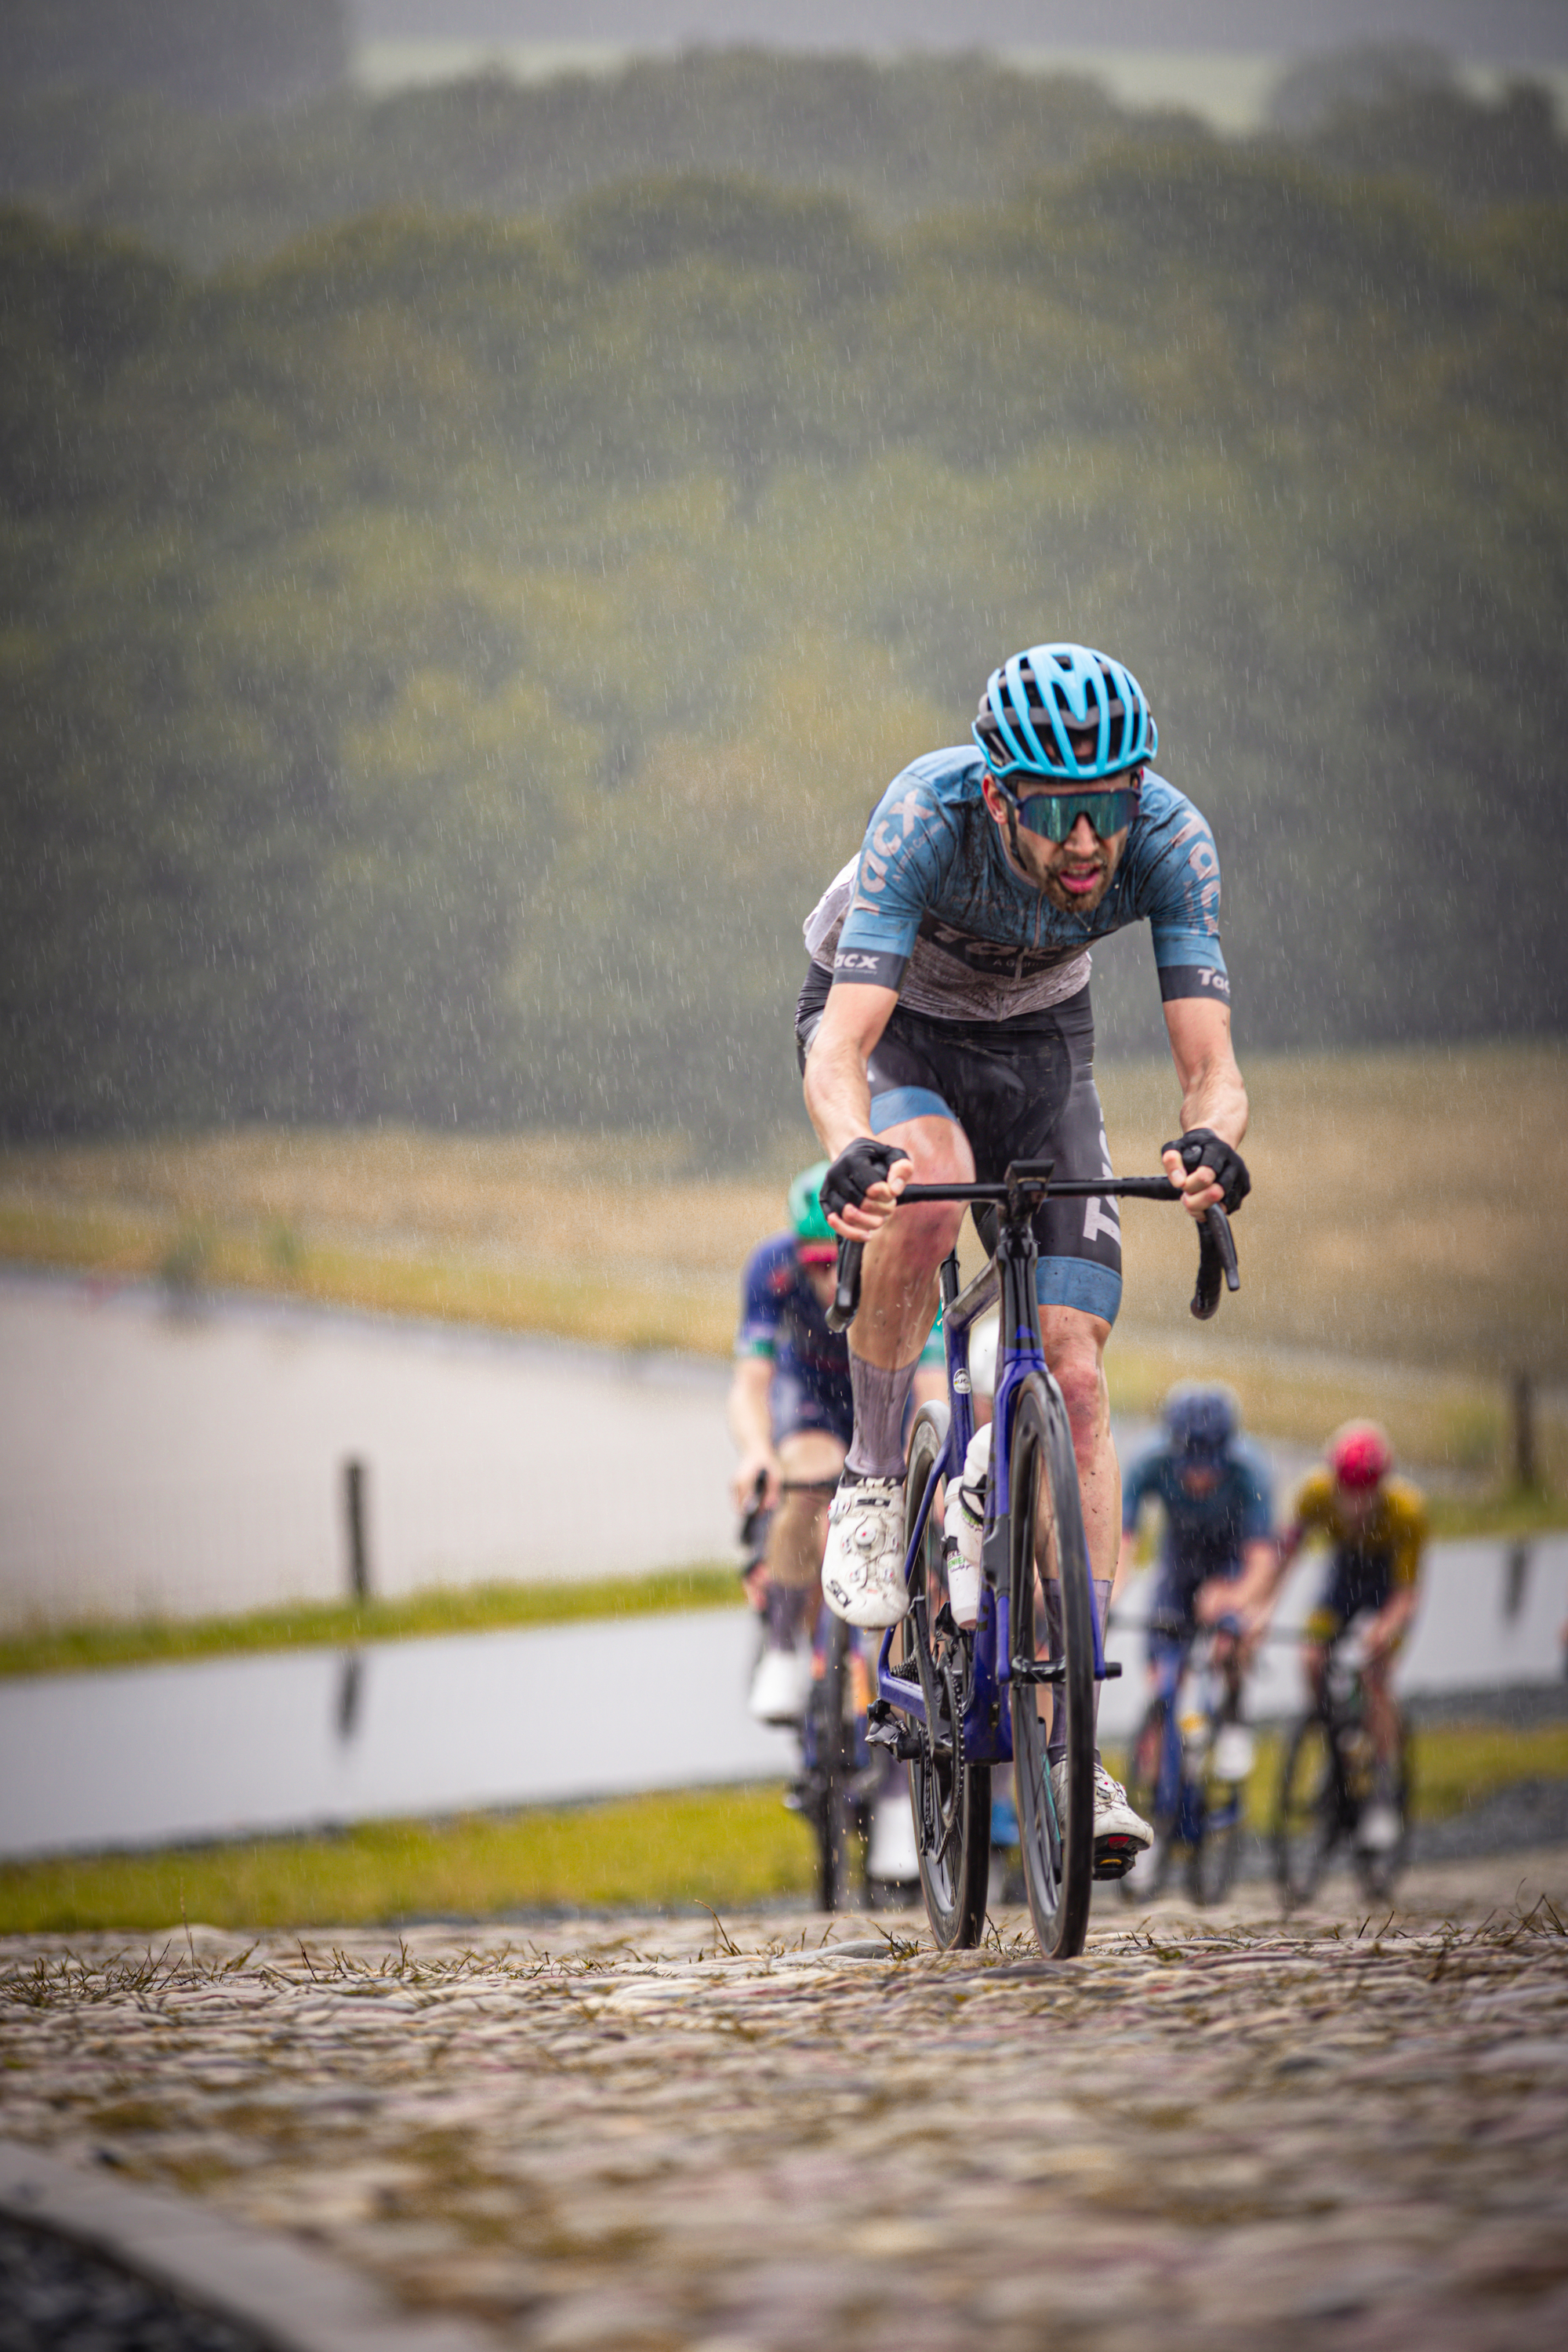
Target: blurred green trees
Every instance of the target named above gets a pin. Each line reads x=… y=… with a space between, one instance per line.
x=442 y=663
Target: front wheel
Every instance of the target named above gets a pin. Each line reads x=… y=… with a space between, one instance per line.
x=1147 y=1877
x=1308 y=1817
x=1377 y=1870
x=1211 y=1865
x=1051 y=1627
x=951 y=1797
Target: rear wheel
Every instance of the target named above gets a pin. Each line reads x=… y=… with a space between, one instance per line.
x=1147 y=1877
x=1050 y=1624
x=951 y=1797
x=834 y=1750
x=1307 y=1820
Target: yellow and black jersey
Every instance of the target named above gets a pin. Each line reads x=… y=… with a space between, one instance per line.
x=1389 y=1544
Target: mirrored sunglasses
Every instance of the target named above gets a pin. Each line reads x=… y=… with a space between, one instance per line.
x=1054 y=814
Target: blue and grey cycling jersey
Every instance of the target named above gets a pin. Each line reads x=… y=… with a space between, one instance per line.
x=932 y=907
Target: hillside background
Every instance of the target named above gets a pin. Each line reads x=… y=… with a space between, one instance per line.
x=471 y=559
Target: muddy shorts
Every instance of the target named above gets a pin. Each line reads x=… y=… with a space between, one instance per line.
x=1020 y=1090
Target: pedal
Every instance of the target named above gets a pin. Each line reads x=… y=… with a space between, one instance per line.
x=1115 y=1858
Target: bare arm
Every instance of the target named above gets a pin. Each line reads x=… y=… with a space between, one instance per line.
x=751 y=1426
x=838 y=1094
x=1213 y=1094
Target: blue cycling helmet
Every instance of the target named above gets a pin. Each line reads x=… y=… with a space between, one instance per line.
x=1035 y=704
x=1200 y=1420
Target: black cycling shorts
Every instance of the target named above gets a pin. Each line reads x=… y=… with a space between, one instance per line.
x=1358 y=1584
x=1020 y=1090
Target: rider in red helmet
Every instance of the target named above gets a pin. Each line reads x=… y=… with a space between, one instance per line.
x=1376 y=1524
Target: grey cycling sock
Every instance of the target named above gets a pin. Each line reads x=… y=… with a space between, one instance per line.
x=1057 y=1745
x=878 y=1450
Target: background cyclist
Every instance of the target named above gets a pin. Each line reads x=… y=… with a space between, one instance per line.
x=1213 y=1488
x=791 y=1415
x=1377 y=1525
x=945 y=1028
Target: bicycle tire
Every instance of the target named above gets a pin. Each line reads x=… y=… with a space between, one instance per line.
x=1307 y=1820
x=1146 y=1879
x=1212 y=1863
x=949 y=1796
x=834 y=1764
x=1057 y=1853
x=1376 y=1872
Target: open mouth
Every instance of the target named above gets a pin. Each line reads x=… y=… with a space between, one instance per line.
x=1079 y=880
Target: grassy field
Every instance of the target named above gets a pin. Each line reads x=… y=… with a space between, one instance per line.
x=727 y=1847
x=1402 y=1253
x=440 y=1609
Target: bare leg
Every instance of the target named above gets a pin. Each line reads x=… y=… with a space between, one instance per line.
x=808 y=1458
x=1074 y=1350
x=897 y=1281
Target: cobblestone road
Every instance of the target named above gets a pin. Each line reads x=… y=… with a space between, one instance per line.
x=643 y=2133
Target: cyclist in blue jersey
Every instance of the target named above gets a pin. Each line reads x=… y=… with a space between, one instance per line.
x=945 y=1028
x=1213 y=1487
x=791 y=1415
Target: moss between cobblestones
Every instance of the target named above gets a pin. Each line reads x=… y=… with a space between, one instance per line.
x=723 y=1846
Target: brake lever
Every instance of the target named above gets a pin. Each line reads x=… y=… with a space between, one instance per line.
x=1218 y=1267
x=846 y=1285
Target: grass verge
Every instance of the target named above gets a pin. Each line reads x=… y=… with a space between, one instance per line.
x=727 y=1847
x=1456 y=1766
x=441 y=1609
x=723 y=1846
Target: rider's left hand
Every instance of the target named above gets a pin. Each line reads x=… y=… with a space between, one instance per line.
x=1203 y=1185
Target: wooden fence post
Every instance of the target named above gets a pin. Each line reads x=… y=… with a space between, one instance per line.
x=354 y=1484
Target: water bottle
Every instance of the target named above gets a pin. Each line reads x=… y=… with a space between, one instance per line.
x=965 y=1521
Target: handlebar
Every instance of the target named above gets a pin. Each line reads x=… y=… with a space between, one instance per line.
x=1027 y=1184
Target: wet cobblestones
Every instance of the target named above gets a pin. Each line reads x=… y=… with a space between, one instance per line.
x=660 y=2133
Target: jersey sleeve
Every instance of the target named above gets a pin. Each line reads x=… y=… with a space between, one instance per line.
x=1257 y=1500
x=900 y=861
x=761 y=1304
x=1137 y=1485
x=1314 y=1507
x=1179 y=891
x=1409 y=1514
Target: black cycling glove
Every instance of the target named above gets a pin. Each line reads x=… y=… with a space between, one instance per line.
x=859 y=1166
x=1202 y=1148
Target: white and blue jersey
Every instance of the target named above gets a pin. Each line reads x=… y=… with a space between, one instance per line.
x=932 y=907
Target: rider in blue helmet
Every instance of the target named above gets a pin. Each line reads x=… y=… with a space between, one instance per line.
x=1215 y=1490
x=945 y=1029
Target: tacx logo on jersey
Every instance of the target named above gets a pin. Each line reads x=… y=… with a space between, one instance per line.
x=1219 y=981
x=856 y=960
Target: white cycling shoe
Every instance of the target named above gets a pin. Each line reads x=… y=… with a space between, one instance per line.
x=892 y=1857
x=863 y=1567
x=779 y=1685
x=1120 y=1835
x=1379 y=1829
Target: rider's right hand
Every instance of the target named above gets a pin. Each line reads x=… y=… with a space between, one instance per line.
x=757 y=1461
x=861 y=1189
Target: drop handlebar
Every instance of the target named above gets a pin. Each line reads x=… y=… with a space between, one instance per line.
x=1025 y=1185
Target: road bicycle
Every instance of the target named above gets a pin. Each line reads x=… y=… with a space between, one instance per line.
x=1326 y=1785
x=1188 y=1769
x=952 y=1701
